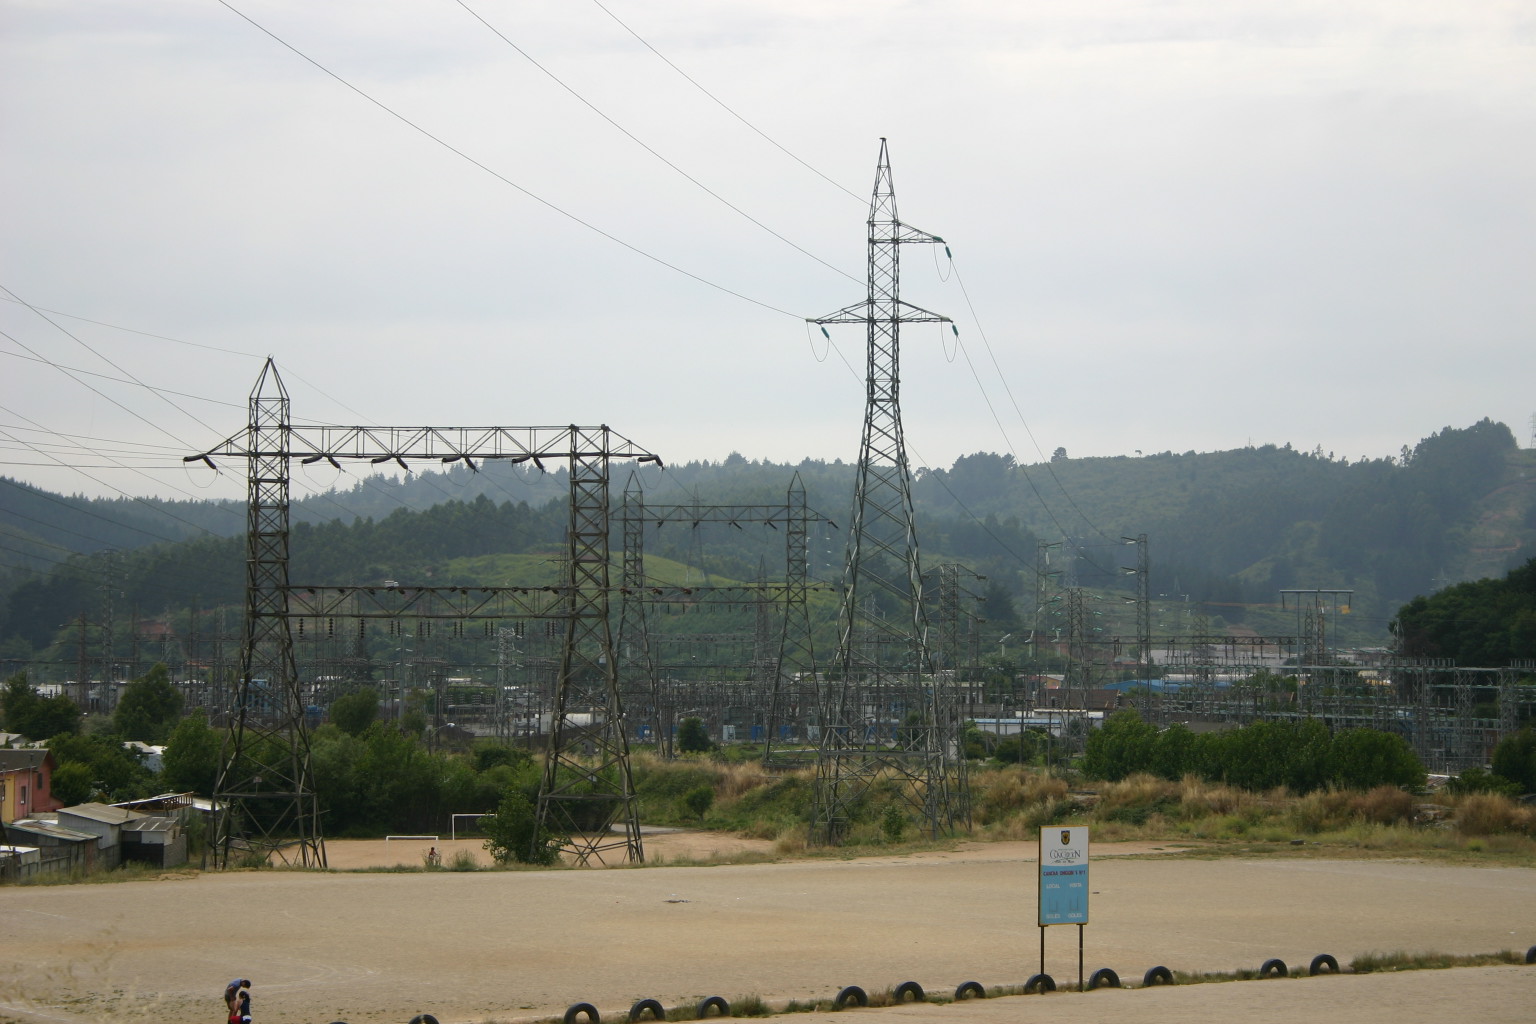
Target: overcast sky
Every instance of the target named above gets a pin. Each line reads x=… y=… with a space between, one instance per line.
x=1176 y=224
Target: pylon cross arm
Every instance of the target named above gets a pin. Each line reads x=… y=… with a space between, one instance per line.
x=443 y=444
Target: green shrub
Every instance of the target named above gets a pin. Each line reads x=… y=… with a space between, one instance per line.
x=513 y=833
x=699 y=800
x=893 y=824
x=1481 y=780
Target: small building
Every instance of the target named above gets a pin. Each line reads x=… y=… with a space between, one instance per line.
x=18 y=862
x=59 y=848
x=26 y=783
x=152 y=756
x=103 y=821
x=161 y=842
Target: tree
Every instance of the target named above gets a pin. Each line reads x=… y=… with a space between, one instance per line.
x=192 y=753
x=1366 y=758
x=34 y=716
x=513 y=833
x=1514 y=758
x=692 y=738
x=699 y=800
x=72 y=785
x=355 y=712
x=1123 y=745
x=150 y=707
x=114 y=773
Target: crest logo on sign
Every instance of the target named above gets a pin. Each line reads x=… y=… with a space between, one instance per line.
x=1066 y=837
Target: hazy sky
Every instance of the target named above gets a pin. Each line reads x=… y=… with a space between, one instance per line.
x=1178 y=225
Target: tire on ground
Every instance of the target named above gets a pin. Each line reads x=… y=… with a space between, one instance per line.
x=1103 y=978
x=639 y=1010
x=1039 y=983
x=1323 y=963
x=1273 y=968
x=1530 y=955
x=969 y=989
x=1157 y=976
x=909 y=988
x=576 y=1010
x=716 y=1003
x=852 y=994
x=423 y=1018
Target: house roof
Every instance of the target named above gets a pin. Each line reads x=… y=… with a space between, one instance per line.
x=33 y=758
x=52 y=829
x=101 y=812
x=149 y=825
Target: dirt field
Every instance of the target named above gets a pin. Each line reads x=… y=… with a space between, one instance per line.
x=508 y=946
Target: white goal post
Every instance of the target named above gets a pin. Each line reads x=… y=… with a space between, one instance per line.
x=453 y=822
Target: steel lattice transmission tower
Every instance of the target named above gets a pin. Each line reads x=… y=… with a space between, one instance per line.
x=265 y=791
x=886 y=714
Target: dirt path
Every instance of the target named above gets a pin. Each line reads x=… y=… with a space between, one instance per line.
x=478 y=946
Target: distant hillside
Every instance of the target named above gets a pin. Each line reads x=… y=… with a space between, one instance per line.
x=1226 y=531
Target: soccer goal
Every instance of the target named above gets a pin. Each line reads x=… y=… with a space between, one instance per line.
x=453 y=823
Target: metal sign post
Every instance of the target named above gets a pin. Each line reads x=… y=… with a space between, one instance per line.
x=1063 y=892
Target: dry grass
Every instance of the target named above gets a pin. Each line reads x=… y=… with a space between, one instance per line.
x=1199 y=799
x=1333 y=810
x=1486 y=814
x=1023 y=799
x=1368 y=963
x=1012 y=803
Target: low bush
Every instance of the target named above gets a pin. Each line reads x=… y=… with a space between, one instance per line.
x=1487 y=814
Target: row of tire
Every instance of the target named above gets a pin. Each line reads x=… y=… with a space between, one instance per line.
x=911 y=991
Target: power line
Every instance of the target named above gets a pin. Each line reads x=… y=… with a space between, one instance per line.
x=645 y=146
x=130 y=330
x=34 y=358
x=724 y=106
x=103 y=483
x=497 y=174
x=59 y=327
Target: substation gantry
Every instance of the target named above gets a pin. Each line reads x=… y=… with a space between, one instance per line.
x=781 y=664
x=888 y=715
x=265 y=791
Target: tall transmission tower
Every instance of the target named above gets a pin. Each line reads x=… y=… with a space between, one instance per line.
x=265 y=789
x=887 y=715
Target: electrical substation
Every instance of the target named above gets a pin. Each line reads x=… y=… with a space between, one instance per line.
x=582 y=671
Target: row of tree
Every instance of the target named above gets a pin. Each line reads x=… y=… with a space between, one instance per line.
x=1302 y=756
x=1489 y=622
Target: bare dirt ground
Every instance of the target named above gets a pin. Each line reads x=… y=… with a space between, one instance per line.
x=469 y=947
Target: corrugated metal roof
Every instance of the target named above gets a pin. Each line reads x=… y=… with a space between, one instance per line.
x=105 y=813
x=47 y=828
x=149 y=825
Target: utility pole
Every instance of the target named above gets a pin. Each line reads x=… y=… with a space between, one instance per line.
x=1142 y=572
x=885 y=710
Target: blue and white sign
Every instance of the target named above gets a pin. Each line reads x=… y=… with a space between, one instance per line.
x=1063 y=875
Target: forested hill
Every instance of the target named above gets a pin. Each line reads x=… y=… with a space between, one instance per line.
x=1228 y=529
x=1460 y=505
